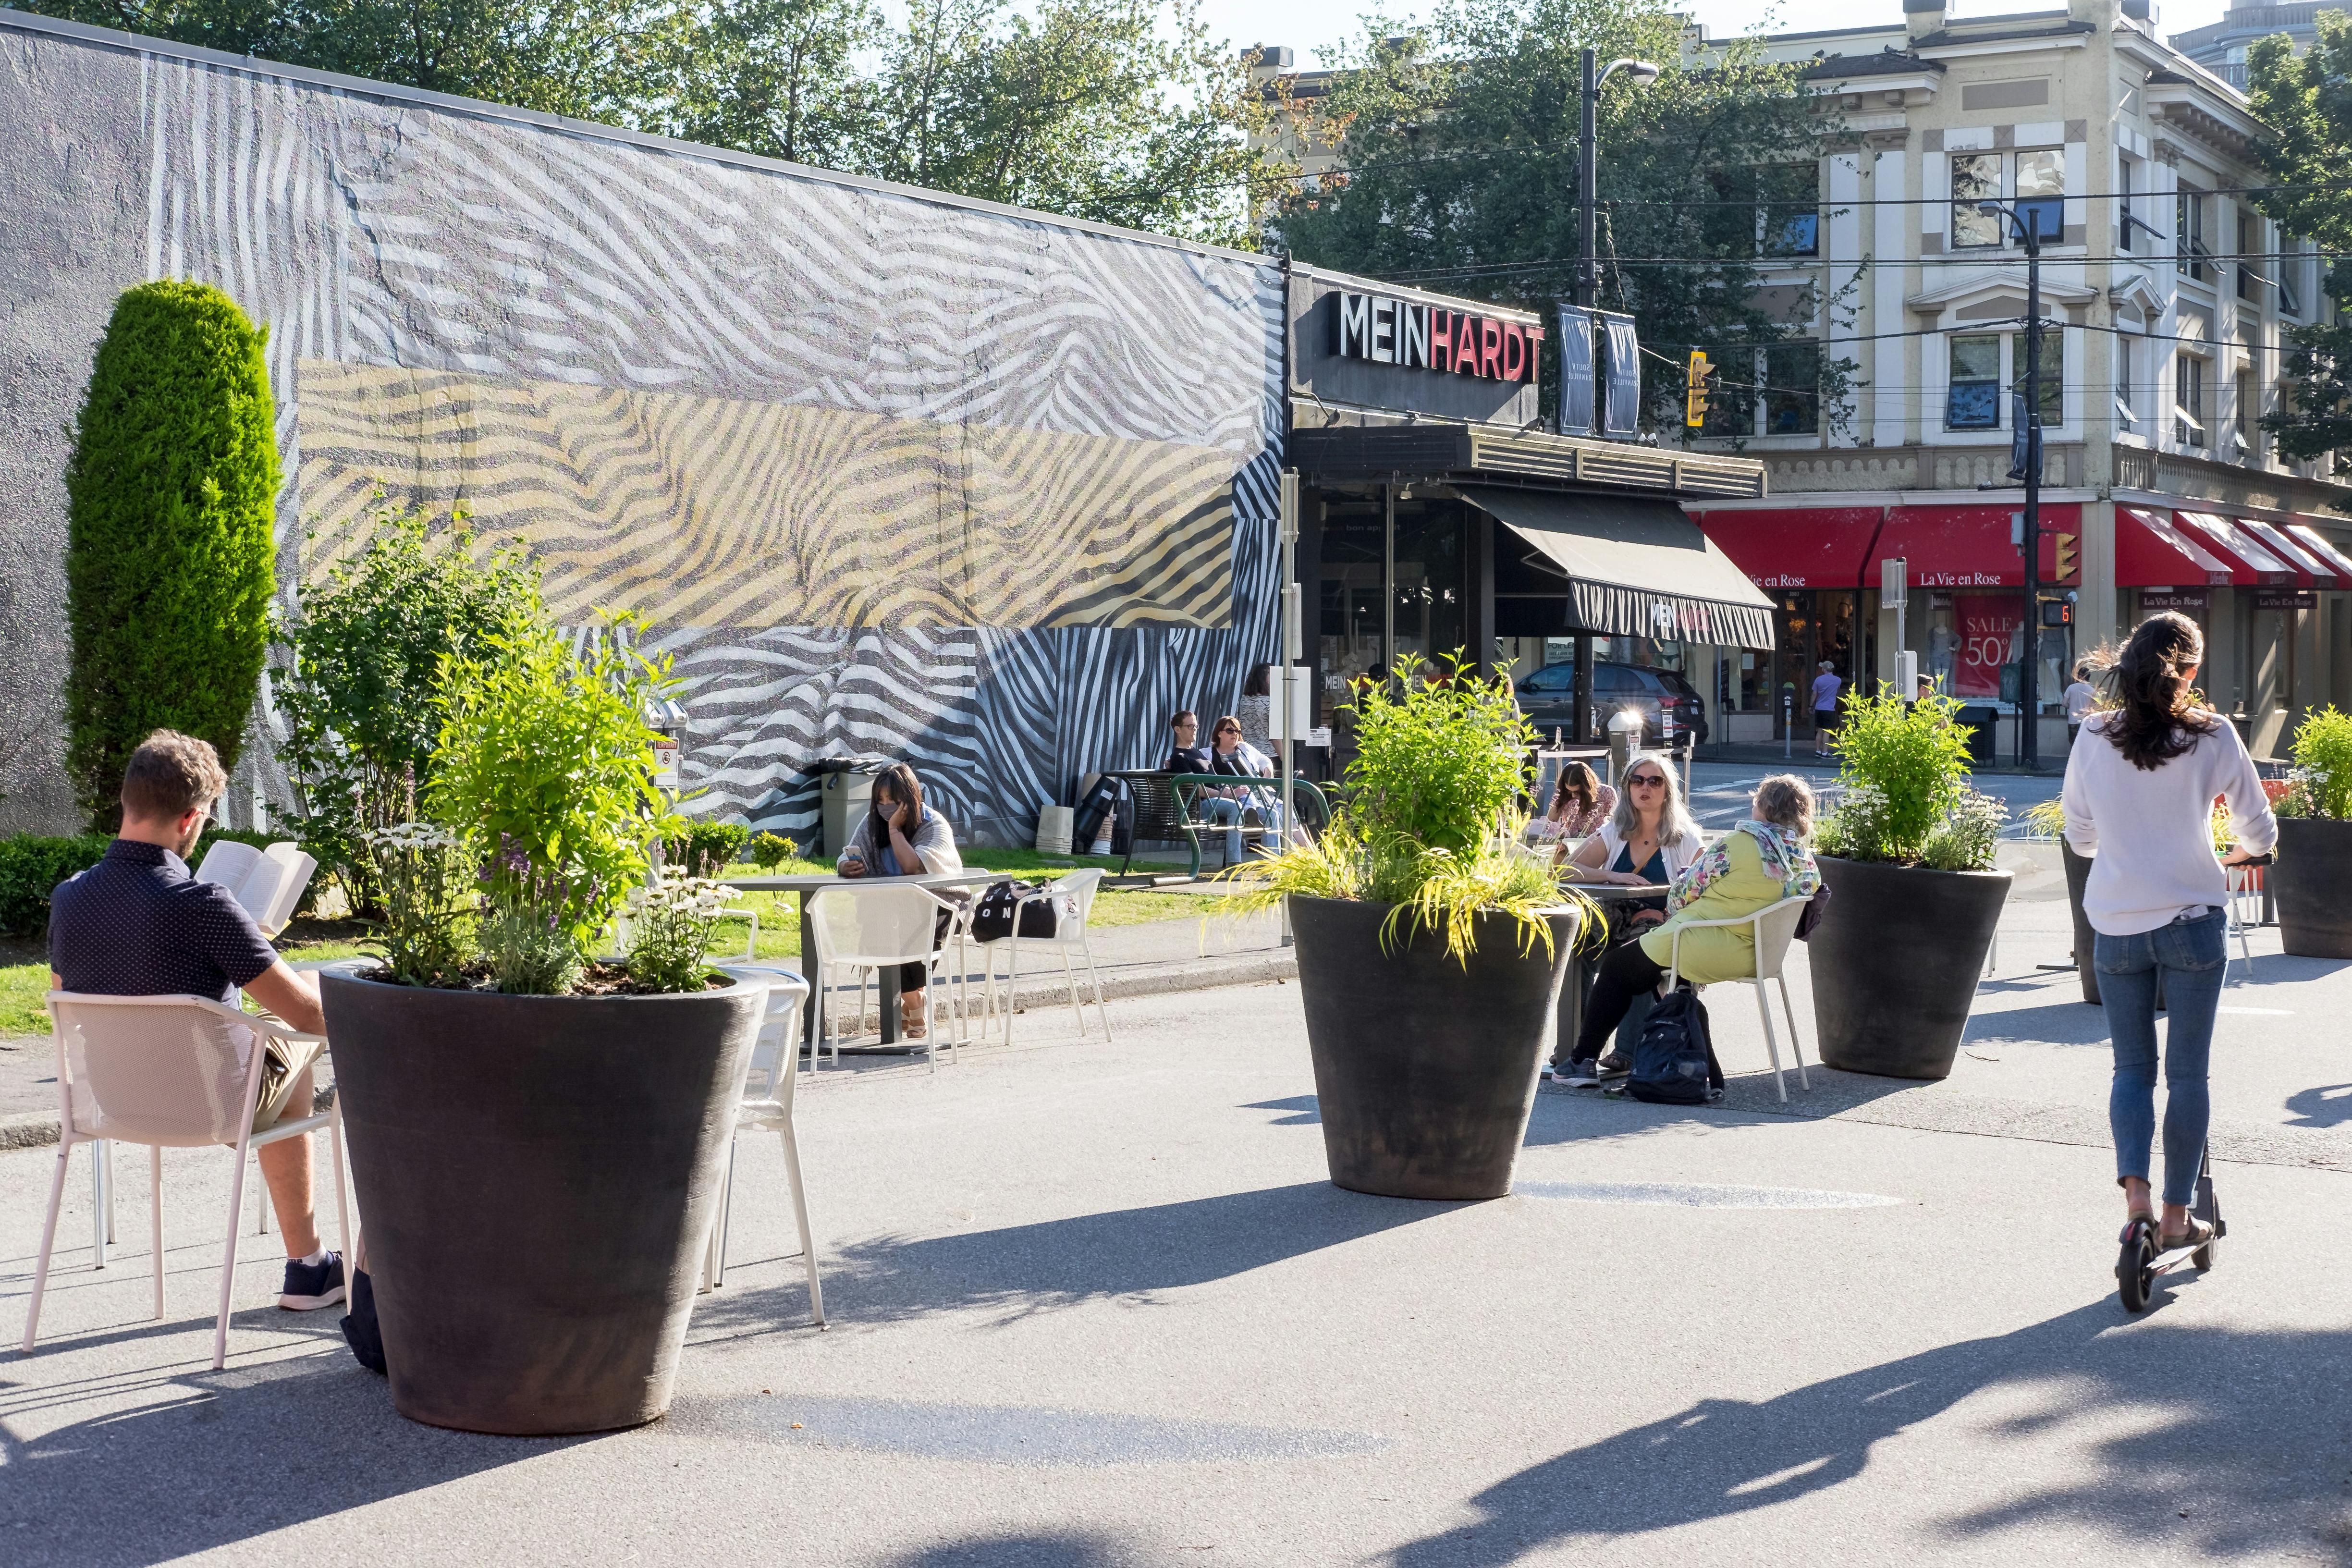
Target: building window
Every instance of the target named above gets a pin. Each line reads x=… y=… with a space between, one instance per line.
x=2126 y=385
x=2041 y=192
x=2250 y=246
x=2053 y=373
x=2188 y=234
x=1793 y=398
x=1973 y=401
x=1976 y=177
x=1786 y=217
x=2290 y=277
x=1731 y=395
x=2127 y=172
x=2189 y=401
x=2241 y=412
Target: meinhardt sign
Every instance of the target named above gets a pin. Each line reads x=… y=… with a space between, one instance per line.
x=1386 y=330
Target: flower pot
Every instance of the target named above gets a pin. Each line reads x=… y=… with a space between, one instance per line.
x=537 y=1177
x=1895 y=961
x=1424 y=1069
x=2311 y=886
x=2078 y=876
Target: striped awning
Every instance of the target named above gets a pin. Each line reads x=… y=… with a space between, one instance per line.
x=1634 y=566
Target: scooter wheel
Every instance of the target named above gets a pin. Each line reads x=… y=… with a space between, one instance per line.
x=2203 y=1256
x=2133 y=1274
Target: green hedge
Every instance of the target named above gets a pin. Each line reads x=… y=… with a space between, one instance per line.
x=31 y=868
x=707 y=848
x=171 y=498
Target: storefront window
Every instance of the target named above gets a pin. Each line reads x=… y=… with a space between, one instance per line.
x=1943 y=643
x=1348 y=647
x=1992 y=641
x=1430 y=622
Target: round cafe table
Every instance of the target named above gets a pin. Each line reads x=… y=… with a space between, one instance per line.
x=1614 y=898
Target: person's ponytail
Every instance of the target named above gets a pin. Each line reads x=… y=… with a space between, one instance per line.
x=2156 y=718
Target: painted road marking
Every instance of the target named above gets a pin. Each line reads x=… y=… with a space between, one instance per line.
x=1700 y=1196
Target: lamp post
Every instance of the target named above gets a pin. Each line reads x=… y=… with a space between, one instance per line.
x=1588 y=283
x=2029 y=437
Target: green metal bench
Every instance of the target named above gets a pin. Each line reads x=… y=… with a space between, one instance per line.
x=1168 y=807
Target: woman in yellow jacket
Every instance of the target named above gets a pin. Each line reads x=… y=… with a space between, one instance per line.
x=1761 y=862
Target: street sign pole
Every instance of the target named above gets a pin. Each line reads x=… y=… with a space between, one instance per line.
x=1284 y=698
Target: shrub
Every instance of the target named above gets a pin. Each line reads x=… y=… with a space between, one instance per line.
x=2322 y=763
x=357 y=698
x=670 y=925
x=705 y=848
x=1903 y=772
x=545 y=765
x=1968 y=839
x=31 y=868
x=170 y=494
x=769 y=850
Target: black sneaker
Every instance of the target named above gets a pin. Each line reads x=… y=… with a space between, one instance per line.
x=311 y=1286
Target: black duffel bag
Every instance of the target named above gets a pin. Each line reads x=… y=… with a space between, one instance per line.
x=992 y=916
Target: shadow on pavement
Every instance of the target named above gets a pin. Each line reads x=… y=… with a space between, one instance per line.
x=220 y=1458
x=1305 y=1110
x=1056 y=1551
x=2327 y=1105
x=2224 y=1443
x=1062 y=1262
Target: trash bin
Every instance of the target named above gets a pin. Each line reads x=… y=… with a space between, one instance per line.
x=844 y=794
x=1984 y=743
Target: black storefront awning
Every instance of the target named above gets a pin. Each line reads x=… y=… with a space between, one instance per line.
x=1634 y=566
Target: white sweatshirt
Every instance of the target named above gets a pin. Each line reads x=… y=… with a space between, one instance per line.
x=2149 y=830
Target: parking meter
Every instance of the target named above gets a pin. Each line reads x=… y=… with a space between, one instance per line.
x=1624 y=739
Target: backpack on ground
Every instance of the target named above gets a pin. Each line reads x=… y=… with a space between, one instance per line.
x=1093 y=809
x=1674 y=1064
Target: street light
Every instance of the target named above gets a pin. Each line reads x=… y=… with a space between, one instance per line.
x=2029 y=435
x=1588 y=282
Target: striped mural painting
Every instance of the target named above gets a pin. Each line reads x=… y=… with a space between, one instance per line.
x=892 y=474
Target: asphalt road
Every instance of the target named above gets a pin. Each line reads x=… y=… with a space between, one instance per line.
x=1097 y=1305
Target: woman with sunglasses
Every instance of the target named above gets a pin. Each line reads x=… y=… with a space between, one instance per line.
x=1760 y=862
x=1649 y=838
x=1230 y=753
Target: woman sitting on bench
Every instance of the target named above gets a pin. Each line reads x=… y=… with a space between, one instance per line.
x=1760 y=862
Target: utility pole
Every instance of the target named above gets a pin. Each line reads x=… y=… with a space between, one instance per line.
x=1284 y=698
x=2028 y=679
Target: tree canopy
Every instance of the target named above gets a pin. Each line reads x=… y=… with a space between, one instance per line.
x=1118 y=111
x=1460 y=140
x=2306 y=101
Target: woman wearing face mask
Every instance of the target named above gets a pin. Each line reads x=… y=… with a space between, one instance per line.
x=2139 y=796
x=901 y=837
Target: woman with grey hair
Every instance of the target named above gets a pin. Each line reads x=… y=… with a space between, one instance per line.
x=1650 y=838
x=1760 y=861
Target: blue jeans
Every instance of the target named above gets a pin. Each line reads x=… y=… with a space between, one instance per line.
x=1219 y=808
x=2188 y=957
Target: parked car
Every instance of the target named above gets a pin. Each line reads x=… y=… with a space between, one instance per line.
x=1549 y=699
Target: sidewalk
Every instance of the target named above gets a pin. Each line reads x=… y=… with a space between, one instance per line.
x=1148 y=960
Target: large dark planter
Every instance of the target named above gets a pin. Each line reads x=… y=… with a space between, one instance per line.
x=2078 y=876
x=1424 y=1070
x=1895 y=961
x=537 y=1177
x=2311 y=886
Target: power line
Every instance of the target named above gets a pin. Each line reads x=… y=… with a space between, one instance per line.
x=2003 y=258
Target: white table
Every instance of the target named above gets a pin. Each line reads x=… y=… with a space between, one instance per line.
x=808 y=884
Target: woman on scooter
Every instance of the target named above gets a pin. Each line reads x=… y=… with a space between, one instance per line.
x=2138 y=799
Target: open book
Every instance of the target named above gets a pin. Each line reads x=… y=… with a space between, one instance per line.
x=267 y=882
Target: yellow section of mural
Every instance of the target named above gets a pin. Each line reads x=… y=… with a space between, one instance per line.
x=718 y=511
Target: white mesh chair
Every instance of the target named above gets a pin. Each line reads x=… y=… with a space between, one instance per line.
x=1774 y=928
x=777 y=1053
x=870 y=924
x=177 y=1072
x=1077 y=890
x=2245 y=885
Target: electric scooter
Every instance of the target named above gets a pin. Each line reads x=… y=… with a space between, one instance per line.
x=2140 y=1263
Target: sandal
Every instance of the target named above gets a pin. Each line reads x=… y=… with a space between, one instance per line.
x=2198 y=1233
x=911 y=1026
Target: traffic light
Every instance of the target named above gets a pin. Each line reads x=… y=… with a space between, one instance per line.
x=2065 y=556
x=1694 y=400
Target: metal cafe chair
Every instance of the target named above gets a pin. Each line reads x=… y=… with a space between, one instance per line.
x=872 y=925
x=174 y=1072
x=777 y=1053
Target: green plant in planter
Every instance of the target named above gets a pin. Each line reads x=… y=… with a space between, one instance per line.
x=670 y=923
x=2323 y=764
x=1904 y=800
x=545 y=764
x=1432 y=819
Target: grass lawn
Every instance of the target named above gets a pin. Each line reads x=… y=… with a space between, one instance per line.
x=25 y=971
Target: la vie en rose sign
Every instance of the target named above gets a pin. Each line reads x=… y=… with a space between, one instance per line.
x=1425 y=337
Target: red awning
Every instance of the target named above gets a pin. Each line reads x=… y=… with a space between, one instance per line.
x=2319 y=545
x=1807 y=547
x=2151 y=552
x=2311 y=569
x=1969 y=546
x=2251 y=565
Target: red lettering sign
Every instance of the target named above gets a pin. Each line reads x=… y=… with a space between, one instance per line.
x=1490 y=347
x=1992 y=633
x=1535 y=350
x=1515 y=352
x=1465 y=345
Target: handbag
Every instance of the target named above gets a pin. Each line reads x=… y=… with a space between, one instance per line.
x=993 y=917
x=1809 y=917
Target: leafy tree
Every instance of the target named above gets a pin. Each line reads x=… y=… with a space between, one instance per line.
x=1461 y=142
x=777 y=78
x=171 y=495
x=2306 y=101
x=362 y=657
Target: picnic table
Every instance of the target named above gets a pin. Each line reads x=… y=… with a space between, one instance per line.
x=808 y=884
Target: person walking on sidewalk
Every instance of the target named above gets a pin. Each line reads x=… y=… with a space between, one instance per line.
x=2138 y=800
x=1826 y=687
x=2080 y=700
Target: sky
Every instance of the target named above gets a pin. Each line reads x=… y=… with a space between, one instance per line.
x=1309 y=26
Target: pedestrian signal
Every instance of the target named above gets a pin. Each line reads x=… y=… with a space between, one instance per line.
x=1694 y=400
x=2065 y=555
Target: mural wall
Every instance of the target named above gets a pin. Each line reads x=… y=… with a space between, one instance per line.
x=890 y=473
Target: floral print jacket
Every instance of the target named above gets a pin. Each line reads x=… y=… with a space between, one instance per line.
x=1784 y=856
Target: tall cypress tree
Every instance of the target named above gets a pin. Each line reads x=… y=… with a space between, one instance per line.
x=170 y=552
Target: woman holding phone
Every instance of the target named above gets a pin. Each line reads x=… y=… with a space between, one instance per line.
x=2138 y=798
x=901 y=837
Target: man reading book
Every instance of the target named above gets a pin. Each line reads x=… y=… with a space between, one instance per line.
x=137 y=924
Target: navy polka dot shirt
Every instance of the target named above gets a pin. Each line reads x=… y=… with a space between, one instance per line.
x=139 y=924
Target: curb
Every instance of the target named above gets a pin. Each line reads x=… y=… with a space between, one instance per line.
x=38 y=1129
